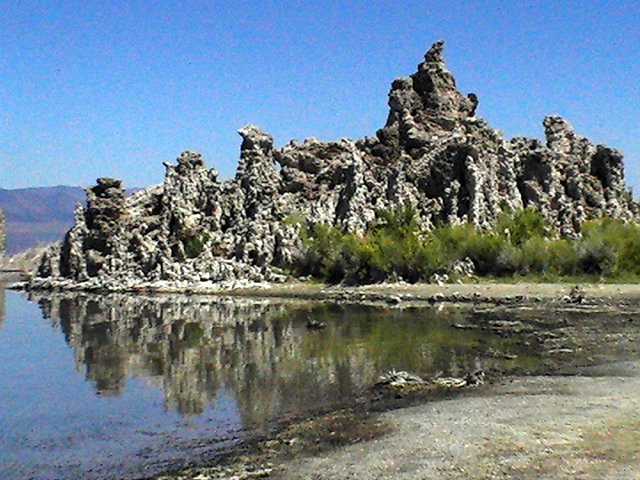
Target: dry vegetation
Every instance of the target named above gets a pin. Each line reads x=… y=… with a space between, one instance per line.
x=607 y=449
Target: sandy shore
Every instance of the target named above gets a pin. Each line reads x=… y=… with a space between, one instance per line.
x=427 y=291
x=482 y=291
x=538 y=427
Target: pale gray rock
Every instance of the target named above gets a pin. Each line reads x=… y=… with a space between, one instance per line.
x=3 y=232
x=433 y=153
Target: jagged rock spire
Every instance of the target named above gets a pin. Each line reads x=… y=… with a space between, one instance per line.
x=432 y=76
x=3 y=232
x=437 y=88
x=189 y=160
x=433 y=153
x=425 y=104
x=434 y=54
x=257 y=163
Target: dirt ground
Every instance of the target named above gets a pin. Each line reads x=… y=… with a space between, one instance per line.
x=456 y=292
x=582 y=427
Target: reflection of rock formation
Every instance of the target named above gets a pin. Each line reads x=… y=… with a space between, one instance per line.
x=261 y=352
x=181 y=343
x=2 y=304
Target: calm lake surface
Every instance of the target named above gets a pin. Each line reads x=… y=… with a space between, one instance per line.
x=122 y=386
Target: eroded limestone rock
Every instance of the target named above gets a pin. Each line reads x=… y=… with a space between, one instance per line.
x=434 y=153
x=3 y=232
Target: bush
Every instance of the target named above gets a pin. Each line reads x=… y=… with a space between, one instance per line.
x=193 y=242
x=323 y=249
x=390 y=248
x=483 y=249
x=610 y=247
x=629 y=252
x=510 y=261
x=596 y=257
x=522 y=225
x=623 y=238
x=394 y=247
x=535 y=256
x=562 y=257
x=401 y=222
x=452 y=240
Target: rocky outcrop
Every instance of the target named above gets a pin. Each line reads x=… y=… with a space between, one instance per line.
x=434 y=152
x=3 y=232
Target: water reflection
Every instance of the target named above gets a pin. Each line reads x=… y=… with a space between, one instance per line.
x=261 y=353
x=2 y=304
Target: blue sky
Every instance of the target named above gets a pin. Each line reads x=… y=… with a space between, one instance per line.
x=113 y=88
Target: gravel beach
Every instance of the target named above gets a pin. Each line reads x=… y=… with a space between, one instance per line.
x=537 y=427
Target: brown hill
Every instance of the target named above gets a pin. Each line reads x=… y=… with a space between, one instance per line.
x=38 y=215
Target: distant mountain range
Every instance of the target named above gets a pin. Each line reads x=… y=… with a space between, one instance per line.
x=38 y=215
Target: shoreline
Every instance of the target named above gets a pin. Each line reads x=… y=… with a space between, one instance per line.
x=527 y=427
x=556 y=424
x=562 y=427
x=381 y=437
x=481 y=292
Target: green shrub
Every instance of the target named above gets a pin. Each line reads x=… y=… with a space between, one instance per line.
x=294 y=219
x=623 y=238
x=522 y=225
x=483 y=249
x=596 y=257
x=452 y=240
x=394 y=247
x=509 y=261
x=535 y=256
x=362 y=262
x=629 y=251
x=391 y=248
x=401 y=222
x=193 y=242
x=323 y=249
x=562 y=257
x=610 y=247
x=433 y=258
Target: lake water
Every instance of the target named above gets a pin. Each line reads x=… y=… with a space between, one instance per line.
x=122 y=386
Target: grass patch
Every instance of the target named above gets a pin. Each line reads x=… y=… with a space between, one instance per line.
x=616 y=440
x=592 y=451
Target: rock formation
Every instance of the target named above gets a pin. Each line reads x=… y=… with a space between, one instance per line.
x=3 y=232
x=434 y=152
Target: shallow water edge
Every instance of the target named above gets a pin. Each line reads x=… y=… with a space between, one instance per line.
x=285 y=389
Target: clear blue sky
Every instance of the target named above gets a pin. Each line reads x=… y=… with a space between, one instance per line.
x=113 y=88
